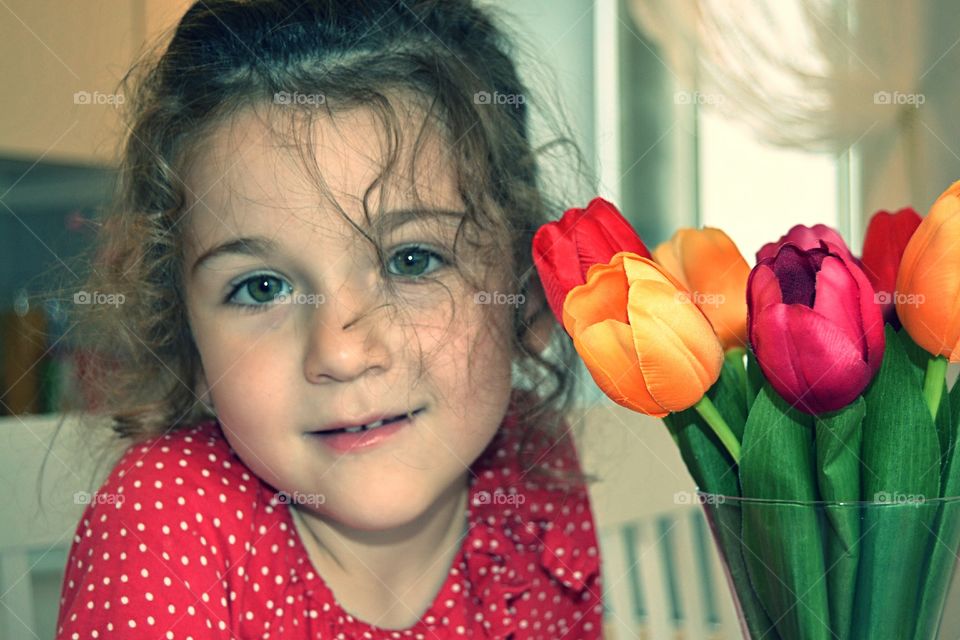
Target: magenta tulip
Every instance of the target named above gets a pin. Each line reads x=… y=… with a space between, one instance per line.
x=883 y=246
x=814 y=326
x=806 y=238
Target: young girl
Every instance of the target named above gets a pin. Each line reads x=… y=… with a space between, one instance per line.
x=340 y=390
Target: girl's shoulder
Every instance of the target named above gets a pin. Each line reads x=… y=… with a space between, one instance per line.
x=155 y=543
x=199 y=455
x=189 y=471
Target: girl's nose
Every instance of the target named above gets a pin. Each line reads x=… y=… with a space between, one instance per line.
x=346 y=339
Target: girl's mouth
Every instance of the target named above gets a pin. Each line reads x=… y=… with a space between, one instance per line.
x=365 y=436
x=372 y=425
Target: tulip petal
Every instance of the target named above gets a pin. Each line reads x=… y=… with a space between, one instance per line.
x=811 y=362
x=797 y=275
x=558 y=267
x=716 y=270
x=883 y=245
x=928 y=284
x=838 y=300
x=602 y=297
x=608 y=352
x=806 y=238
x=765 y=288
x=668 y=255
x=607 y=228
x=678 y=350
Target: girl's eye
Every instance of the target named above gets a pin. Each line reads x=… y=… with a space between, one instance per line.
x=258 y=291
x=414 y=261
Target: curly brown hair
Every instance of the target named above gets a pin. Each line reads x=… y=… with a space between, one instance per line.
x=224 y=56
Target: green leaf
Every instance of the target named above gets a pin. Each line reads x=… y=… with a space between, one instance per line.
x=955 y=399
x=755 y=377
x=919 y=357
x=714 y=471
x=838 y=444
x=706 y=458
x=900 y=441
x=945 y=540
x=728 y=397
x=782 y=543
x=737 y=358
x=917 y=354
x=900 y=448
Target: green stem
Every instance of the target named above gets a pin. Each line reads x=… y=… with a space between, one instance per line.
x=933 y=383
x=708 y=411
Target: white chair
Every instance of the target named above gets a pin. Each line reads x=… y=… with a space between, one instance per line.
x=39 y=517
x=662 y=576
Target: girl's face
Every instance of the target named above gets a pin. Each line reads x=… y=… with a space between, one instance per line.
x=295 y=335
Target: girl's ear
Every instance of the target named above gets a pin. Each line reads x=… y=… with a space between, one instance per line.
x=538 y=319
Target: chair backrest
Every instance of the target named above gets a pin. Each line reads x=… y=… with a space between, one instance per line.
x=48 y=474
x=661 y=573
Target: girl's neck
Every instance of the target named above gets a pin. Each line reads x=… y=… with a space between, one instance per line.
x=388 y=578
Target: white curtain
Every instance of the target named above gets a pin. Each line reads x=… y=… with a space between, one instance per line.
x=819 y=75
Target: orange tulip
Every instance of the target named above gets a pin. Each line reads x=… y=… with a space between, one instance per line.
x=928 y=282
x=711 y=267
x=646 y=345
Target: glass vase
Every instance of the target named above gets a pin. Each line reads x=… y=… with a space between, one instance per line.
x=840 y=570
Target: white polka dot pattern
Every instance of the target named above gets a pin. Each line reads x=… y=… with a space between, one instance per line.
x=185 y=542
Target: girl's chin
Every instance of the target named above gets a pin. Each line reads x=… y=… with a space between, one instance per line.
x=380 y=510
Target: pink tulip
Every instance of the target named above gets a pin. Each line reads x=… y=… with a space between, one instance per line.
x=806 y=238
x=814 y=327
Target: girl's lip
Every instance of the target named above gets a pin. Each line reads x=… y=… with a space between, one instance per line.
x=367 y=420
x=343 y=442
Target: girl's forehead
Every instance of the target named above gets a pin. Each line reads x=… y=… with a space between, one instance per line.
x=252 y=164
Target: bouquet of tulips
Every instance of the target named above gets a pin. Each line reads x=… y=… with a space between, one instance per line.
x=813 y=378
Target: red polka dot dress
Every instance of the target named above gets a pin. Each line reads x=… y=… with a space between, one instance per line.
x=184 y=541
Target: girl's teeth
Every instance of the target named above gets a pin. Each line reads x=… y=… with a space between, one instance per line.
x=364 y=427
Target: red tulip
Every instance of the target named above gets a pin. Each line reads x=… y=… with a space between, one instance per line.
x=564 y=250
x=887 y=237
x=814 y=327
x=806 y=238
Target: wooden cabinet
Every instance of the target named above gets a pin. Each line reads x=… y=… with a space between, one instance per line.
x=61 y=65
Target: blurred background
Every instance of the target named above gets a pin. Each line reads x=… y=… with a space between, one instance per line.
x=747 y=115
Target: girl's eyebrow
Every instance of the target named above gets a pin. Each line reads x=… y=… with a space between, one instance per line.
x=260 y=246
x=395 y=219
